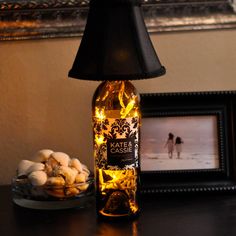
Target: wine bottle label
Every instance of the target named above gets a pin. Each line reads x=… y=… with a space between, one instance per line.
x=116 y=146
x=120 y=152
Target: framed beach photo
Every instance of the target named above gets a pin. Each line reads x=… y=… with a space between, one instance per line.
x=187 y=142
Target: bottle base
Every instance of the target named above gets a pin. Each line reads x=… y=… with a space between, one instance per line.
x=118 y=217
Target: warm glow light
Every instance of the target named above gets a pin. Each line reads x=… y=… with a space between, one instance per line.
x=99 y=139
x=136 y=114
x=115 y=176
x=123 y=180
x=125 y=111
x=99 y=114
x=121 y=93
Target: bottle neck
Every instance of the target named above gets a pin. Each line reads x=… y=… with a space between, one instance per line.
x=116 y=97
x=115 y=85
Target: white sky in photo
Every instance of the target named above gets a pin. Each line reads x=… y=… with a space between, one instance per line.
x=199 y=133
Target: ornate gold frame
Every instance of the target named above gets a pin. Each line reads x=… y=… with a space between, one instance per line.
x=36 y=19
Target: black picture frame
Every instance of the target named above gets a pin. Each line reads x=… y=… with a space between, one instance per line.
x=221 y=104
x=40 y=19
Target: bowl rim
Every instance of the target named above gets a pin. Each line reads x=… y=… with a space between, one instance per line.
x=23 y=181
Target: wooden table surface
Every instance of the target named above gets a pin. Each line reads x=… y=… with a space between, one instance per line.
x=187 y=215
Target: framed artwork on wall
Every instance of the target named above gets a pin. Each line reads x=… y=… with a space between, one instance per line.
x=34 y=19
x=182 y=142
x=187 y=142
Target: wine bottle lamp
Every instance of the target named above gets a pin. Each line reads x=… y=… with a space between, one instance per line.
x=115 y=49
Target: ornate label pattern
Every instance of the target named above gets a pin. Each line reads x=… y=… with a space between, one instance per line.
x=119 y=146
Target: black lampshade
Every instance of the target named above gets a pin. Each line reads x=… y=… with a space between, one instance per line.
x=116 y=44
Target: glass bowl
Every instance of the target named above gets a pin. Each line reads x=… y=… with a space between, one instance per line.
x=51 y=197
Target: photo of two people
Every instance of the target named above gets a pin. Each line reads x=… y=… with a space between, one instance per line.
x=179 y=143
x=174 y=145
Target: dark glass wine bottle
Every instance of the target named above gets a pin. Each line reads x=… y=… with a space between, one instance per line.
x=116 y=125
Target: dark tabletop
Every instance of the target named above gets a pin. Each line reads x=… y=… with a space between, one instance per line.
x=187 y=215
